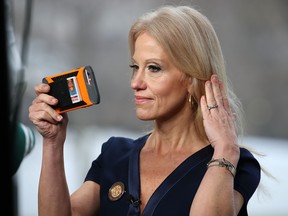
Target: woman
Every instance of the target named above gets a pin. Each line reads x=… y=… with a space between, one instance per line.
x=190 y=163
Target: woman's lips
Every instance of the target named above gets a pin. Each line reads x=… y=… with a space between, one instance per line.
x=141 y=100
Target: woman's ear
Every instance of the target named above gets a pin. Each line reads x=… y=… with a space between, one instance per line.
x=190 y=85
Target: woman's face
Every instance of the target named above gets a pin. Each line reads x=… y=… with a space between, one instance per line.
x=160 y=89
x=70 y=85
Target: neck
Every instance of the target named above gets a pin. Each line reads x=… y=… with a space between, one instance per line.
x=171 y=136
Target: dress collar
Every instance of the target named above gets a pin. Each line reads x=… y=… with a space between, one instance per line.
x=134 y=177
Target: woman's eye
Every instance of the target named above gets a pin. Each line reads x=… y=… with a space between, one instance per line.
x=154 y=68
x=134 y=67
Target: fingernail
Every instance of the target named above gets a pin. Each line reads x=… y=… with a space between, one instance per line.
x=215 y=79
x=45 y=87
x=54 y=100
x=59 y=117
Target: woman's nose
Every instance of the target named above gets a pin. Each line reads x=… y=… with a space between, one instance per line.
x=138 y=80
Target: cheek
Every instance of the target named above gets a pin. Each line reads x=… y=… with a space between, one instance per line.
x=169 y=91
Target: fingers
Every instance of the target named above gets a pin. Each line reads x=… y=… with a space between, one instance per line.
x=217 y=91
x=42 y=97
x=43 y=115
x=42 y=111
x=213 y=94
x=216 y=97
x=41 y=88
x=204 y=108
x=210 y=99
x=42 y=106
x=45 y=98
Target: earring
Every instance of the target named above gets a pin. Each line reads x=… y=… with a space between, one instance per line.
x=190 y=100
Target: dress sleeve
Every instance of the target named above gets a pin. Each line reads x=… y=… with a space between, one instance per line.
x=248 y=176
x=95 y=171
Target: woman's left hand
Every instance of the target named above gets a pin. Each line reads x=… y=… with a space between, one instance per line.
x=218 y=121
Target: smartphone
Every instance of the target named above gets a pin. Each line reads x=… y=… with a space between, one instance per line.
x=74 y=89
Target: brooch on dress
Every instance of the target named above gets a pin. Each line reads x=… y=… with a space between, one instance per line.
x=116 y=191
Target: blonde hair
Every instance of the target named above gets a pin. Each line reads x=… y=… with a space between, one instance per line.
x=190 y=41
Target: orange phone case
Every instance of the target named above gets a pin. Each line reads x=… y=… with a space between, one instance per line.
x=74 y=89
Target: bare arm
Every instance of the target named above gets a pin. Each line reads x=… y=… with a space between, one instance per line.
x=216 y=194
x=54 y=198
x=86 y=200
x=53 y=194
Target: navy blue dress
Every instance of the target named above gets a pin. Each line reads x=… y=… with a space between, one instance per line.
x=119 y=162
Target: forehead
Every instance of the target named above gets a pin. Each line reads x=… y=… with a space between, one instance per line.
x=147 y=44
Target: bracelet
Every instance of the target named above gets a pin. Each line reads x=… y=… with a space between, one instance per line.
x=222 y=162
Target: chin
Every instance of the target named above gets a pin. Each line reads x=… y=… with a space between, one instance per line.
x=144 y=117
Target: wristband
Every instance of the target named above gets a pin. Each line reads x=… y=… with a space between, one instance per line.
x=222 y=162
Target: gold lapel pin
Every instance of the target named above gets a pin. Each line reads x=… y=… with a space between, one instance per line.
x=116 y=191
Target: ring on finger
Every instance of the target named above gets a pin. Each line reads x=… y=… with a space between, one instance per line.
x=212 y=106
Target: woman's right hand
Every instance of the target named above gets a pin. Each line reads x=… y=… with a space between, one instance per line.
x=51 y=125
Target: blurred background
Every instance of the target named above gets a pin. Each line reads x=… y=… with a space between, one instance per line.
x=66 y=34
